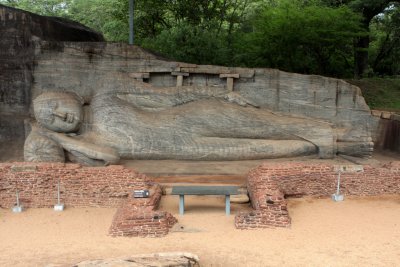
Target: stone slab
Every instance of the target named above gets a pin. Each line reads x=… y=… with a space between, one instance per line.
x=204 y=190
x=229 y=75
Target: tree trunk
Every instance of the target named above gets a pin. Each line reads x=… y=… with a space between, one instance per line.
x=361 y=45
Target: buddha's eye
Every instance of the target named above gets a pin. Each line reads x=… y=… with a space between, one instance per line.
x=53 y=105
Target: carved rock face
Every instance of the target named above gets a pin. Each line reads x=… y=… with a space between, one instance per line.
x=59 y=111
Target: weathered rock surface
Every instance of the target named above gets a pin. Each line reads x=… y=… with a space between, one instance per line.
x=177 y=259
x=306 y=113
x=20 y=32
x=145 y=112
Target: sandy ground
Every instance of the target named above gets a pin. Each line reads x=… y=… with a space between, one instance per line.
x=356 y=232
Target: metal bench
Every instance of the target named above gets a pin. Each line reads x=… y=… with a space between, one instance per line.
x=226 y=191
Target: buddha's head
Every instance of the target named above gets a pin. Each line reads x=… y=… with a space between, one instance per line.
x=59 y=111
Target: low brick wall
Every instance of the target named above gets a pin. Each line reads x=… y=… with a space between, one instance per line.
x=79 y=186
x=269 y=183
x=268 y=201
x=139 y=217
x=88 y=187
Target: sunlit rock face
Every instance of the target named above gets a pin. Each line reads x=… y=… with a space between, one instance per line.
x=137 y=105
x=21 y=33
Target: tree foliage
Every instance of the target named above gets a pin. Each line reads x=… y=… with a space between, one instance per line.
x=385 y=42
x=306 y=38
x=330 y=37
x=43 y=7
x=369 y=9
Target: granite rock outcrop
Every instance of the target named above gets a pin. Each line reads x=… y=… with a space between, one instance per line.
x=307 y=114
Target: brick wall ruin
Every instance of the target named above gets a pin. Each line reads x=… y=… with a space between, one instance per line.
x=110 y=186
x=139 y=217
x=268 y=185
x=79 y=186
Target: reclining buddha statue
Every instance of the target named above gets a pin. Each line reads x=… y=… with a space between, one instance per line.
x=184 y=123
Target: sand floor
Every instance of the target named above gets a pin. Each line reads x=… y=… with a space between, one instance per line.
x=356 y=232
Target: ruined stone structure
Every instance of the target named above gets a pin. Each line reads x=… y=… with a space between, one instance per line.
x=79 y=186
x=113 y=186
x=270 y=183
x=140 y=217
x=124 y=102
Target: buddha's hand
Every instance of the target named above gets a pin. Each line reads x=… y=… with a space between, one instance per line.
x=236 y=98
x=83 y=149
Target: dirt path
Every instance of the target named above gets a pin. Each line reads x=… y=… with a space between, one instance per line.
x=356 y=232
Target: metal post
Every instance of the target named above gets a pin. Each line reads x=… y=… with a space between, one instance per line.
x=58 y=192
x=338 y=185
x=131 y=15
x=181 y=204
x=58 y=206
x=17 y=198
x=228 y=204
x=338 y=197
x=17 y=208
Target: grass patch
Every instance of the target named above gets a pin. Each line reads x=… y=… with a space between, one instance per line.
x=380 y=93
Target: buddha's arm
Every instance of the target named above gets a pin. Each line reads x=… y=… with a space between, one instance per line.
x=76 y=146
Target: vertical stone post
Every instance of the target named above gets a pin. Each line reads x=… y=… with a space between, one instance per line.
x=229 y=79
x=179 y=77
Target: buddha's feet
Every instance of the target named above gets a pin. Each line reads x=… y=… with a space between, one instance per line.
x=356 y=149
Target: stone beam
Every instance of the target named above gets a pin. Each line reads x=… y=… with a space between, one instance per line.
x=229 y=79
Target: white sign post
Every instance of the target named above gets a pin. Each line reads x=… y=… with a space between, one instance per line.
x=58 y=206
x=338 y=197
x=17 y=208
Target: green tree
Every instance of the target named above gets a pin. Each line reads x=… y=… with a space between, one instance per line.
x=57 y=8
x=368 y=9
x=385 y=42
x=199 y=31
x=109 y=17
x=307 y=36
x=303 y=37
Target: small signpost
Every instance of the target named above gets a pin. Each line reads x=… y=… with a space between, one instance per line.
x=17 y=208
x=141 y=193
x=58 y=206
x=337 y=196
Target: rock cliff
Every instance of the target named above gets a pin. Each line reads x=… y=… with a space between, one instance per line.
x=40 y=54
x=20 y=33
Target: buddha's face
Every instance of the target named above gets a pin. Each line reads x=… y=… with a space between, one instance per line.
x=58 y=111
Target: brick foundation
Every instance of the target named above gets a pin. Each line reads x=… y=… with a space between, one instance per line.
x=88 y=187
x=112 y=186
x=138 y=217
x=79 y=186
x=268 y=184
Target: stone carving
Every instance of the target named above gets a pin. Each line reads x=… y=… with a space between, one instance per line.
x=183 y=122
x=136 y=104
x=20 y=33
